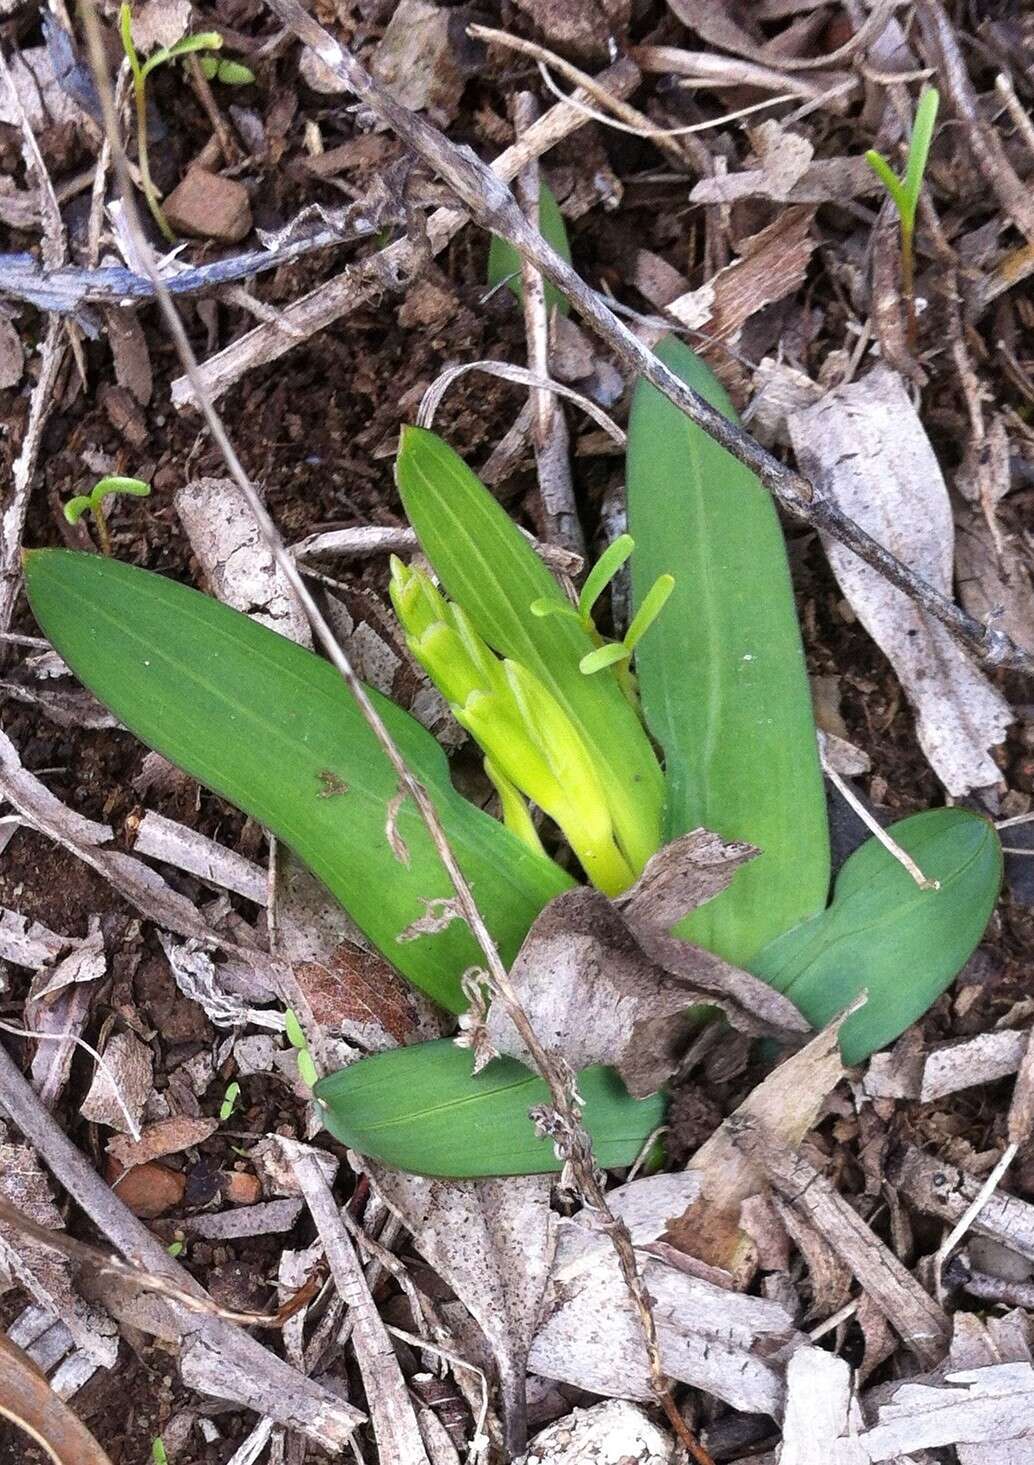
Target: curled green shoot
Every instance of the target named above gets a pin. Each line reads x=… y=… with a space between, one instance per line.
x=93 y=502
x=905 y=192
x=141 y=70
x=616 y=654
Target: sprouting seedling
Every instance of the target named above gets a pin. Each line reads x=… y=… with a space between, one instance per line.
x=297 y=1039
x=228 y=71
x=176 y=1248
x=93 y=502
x=611 y=653
x=229 y=1104
x=905 y=193
x=159 y=1455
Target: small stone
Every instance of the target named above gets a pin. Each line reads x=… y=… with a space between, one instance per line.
x=148 y=1190
x=207 y=206
x=241 y=1188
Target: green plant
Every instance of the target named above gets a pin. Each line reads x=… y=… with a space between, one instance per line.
x=298 y=1041
x=158 y=1452
x=93 y=502
x=905 y=193
x=229 y=1104
x=230 y=72
x=723 y=690
x=504 y=263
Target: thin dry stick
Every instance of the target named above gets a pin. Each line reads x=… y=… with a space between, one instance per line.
x=549 y=432
x=391 y=269
x=624 y=117
x=1016 y=110
x=565 y=1122
x=850 y=798
x=432 y=399
x=492 y=205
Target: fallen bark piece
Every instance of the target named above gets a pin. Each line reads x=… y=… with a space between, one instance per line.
x=395 y=1424
x=492 y=1241
x=913 y=1313
x=420 y=59
x=615 y=1433
x=175 y=844
x=720 y=1341
x=979 y=1406
x=820 y=1407
x=123 y=1083
x=789 y=1101
x=941 y=1189
x=207 y=206
x=27 y=943
x=167 y=1137
x=866 y=448
x=266 y=1218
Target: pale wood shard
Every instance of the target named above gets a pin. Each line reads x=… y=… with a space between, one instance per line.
x=237 y=563
x=819 y=1407
x=911 y=1311
x=391 y=1410
x=163 y=839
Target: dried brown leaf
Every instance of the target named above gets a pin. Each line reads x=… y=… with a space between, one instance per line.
x=166 y=1137
x=865 y=444
x=604 y=982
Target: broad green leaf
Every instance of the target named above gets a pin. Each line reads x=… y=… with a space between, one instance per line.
x=422 y=1109
x=490 y=569
x=884 y=935
x=273 y=729
x=504 y=263
x=721 y=673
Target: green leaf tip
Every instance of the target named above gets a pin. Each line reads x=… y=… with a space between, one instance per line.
x=883 y=934
x=270 y=726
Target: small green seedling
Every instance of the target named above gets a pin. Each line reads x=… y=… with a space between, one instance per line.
x=615 y=654
x=298 y=1041
x=229 y=1104
x=159 y=1455
x=231 y=72
x=93 y=503
x=176 y=1248
x=905 y=193
x=721 y=736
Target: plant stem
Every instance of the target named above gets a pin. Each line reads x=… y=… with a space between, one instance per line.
x=143 y=161
x=908 y=285
x=103 y=534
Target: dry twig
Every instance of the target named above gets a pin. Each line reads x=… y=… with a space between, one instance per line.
x=492 y=205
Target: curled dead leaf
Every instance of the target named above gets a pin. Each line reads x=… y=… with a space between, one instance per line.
x=28 y=1401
